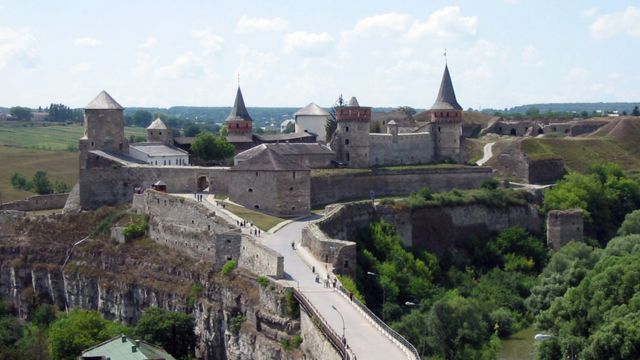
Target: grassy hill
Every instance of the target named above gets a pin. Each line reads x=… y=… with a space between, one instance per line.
x=617 y=142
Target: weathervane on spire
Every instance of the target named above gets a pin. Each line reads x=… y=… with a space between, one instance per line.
x=238 y=79
x=445 y=56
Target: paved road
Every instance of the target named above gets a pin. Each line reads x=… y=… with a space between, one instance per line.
x=365 y=340
x=487 y=154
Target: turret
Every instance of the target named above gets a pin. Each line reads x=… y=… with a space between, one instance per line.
x=158 y=132
x=446 y=121
x=103 y=127
x=239 y=122
x=351 y=142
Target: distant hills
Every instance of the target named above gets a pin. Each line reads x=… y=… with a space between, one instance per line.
x=574 y=107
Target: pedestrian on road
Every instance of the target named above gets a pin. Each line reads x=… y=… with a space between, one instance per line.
x=335 y=281
x=317 y=278
x=350 y=296
x=293 y=245
x=313 y=269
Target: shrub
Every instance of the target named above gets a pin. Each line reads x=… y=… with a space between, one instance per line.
x=490 y=184
x=235 y=323
x=194 y=294
x=107 y=221
x=293 y=309
x=228 y=267
x=263 y=281
x=350 y=285
x=19 y=182
x=296 y=341
x=136 y=229
x=286 y=344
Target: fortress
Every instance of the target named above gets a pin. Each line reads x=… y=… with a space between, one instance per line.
x=276 y=178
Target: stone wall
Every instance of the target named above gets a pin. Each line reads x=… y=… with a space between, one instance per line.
x=108 y=182
x=187 y=225
x=339 y=253
x=332 y=188
x=545 y=171
x=400 y=149
x=260 y=260
x=314 y=342
x=564 y=226
x=37 y=202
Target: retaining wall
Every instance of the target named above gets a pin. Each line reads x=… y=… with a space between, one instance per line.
x=332 y=188
x=260 y=260
x=37 y=202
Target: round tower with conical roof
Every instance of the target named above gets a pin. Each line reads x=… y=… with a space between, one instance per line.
x=103 y=127
x=351 y=142
x=446 y=121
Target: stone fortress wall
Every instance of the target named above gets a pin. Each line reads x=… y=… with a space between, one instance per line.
x=399 y=149
x=37 y=202
x=331 y=188
x=189 y=226
x=564 y=226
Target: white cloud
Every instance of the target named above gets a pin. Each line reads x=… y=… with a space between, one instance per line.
x=254 y=64
x=386 y=22
x=17 y=45
x=87 y=41
x=209 y=41
x=185 y=66
x=531 y=56
x=444 y=23
x=614 y=76
x=577 y=74
x=621 y=22
x=307 y=43
x=590 y=12
x=80 y=68
x=248 y=24
x=149 y=43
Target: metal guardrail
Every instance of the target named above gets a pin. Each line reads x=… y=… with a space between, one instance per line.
x=336 y=341
x=412 y=351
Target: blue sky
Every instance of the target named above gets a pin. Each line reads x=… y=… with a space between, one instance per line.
x=501 y=53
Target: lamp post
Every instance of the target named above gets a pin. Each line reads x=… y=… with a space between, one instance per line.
x=384 y=297
x=344 y=339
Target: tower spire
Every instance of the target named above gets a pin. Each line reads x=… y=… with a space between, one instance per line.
x=445 y=56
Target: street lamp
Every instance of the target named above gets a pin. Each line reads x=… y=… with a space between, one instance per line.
x=384 y=298
x=344 y=339
x=409 y=303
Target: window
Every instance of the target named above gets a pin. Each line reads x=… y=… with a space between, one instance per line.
x=92 y=144
x=237 y=126
x=293 y=208
x=256 y=206
x=294 y=174
x=439 y=129
x=346 y=141
x=250 y=190
x=160 y=133
x=256 y=173
x=346 y=129
x=291 y=188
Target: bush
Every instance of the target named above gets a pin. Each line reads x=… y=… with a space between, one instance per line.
x=136 y=229
x=235 y=323
x=60 y=187
x=194 y=294
x=296 y=341
x=263 y=281
x=490 y=184
x=631 y=224
x=41 y=183
x=286 y=344
x=350 y=285
x=104 y=225
x=19 y=182
x=173 y=331
x=293 y=308
x=228 y=267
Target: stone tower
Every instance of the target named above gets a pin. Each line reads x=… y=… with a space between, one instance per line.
x=351 y=141
x=446 y=121
x=103 y=127
x=158 y=132
x=239 y=122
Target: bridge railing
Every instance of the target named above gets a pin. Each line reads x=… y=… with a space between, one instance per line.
x=336 y=341
x=393 y=335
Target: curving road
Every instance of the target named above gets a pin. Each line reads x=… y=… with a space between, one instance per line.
x=365 y=340
x=487 y=154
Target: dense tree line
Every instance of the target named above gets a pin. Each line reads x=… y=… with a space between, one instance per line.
x=63 y=113
x=39 y=183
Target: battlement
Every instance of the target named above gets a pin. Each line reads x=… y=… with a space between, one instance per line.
x=353 y=113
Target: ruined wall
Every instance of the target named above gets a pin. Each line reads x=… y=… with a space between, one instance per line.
x=410 y=148
x=339 y=253
x=564 y=226
x=37 y=202
x=110 y=183
x=281 y=193
x=326 y=189
x=185 y=224
x=260 y=260
x=545 y=171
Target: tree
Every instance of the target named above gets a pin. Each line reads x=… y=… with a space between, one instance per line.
x=332 y=124
x=60 y=187
x=636 y=111
x=224 y=131
x=22 y=113
x=533 y=112
x=408 y=111
x=291 y=128
x=631 y=224
x=142 y=118
x=191 y=130
x=41 y=183
x=209 y=147
x=78 y=330
x=60 y=113
x=19 y=182
x=172 y=331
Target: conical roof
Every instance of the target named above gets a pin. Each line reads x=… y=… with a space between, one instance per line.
x=157 y=124
x=353 y=102
x=446 y=99
x=103 y=101
x=239 y=111
x=268 y=160
x=312 y=109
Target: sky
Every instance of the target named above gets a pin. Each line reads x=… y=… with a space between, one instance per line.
x=161 y=53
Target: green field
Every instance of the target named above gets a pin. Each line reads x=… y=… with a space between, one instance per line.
x=59 y=165
x=55 y=137
x=28 y=149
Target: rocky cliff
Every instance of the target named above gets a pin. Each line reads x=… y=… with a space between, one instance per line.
x=39 y=263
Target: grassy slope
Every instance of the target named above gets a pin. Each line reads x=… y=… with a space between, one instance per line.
x=617 y=142
x=18 y=153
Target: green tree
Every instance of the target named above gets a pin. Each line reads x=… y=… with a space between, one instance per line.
x=191 y=130
x=11 y=330
x=636 y=111
x=41 y=183
x=22 y=113
x=332 y=124
x=60 y=187
x=408 y=111
x=173 y=331
x=210 y=147
x=533 y=112
x=291 y=128
x=142 y=118
x=43 y=315
x=631 y=224
x=19 y=182
x=78 y=330
x=224 y=131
